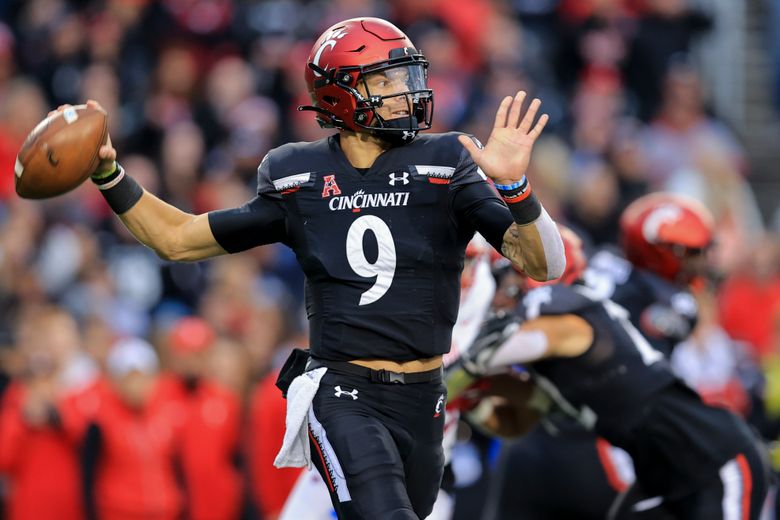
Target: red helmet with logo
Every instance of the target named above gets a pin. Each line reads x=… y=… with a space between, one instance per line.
x=342 y=60
x=576 y=261
x=658 y=231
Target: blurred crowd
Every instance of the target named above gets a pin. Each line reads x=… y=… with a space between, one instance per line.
x=132 y=386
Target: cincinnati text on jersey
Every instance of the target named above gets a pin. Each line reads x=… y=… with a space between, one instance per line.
x=360 y=199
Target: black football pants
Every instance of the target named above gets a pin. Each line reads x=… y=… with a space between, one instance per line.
x=736 y=493
x=570 y=476
x=378 y=446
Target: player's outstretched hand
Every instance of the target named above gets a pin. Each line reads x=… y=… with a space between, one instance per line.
x=107 y=153
x=507 y=152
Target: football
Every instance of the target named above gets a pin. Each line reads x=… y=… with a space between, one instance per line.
x=61 y=152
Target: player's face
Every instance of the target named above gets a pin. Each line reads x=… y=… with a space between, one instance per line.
x=391 y=85
x=695 y=264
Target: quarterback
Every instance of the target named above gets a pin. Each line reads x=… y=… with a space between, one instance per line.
x=379 y=217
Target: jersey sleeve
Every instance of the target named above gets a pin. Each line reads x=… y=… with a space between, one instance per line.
x=260 y=221
x=475 y=203
x=265 y=184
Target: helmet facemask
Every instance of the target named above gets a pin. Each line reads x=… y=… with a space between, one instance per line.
x=694 y=263
x=393 y=101
x=391 y=98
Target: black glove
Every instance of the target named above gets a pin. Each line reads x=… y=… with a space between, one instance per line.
x=494 y=332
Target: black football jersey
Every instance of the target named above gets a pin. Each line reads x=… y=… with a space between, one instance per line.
x=382 y=249
x=637 y=404
x=617 y=375
x=663 y=312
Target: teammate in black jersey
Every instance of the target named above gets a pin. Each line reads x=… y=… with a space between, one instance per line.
x=666 y=237
x=379 y=219
x=692 y=461
x=566 y=471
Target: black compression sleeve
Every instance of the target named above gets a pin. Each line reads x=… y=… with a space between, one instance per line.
x=260 y=221
x=478 y=205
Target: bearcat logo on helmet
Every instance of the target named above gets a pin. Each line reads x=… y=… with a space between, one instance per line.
x=349 y=53
x=330 y=42
x=660 y=231
x=664 y=214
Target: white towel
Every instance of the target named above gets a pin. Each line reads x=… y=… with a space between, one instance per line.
x=295 y=452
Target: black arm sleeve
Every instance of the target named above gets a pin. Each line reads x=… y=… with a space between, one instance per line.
x=478 y=206
x=260 y=221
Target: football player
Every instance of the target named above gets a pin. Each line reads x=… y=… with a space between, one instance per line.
x=379 y=218
x=691 y=460
x=309 y=497
x=569 y=471
x=565 y=469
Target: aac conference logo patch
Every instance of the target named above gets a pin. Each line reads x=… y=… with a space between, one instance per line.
x=330 y=187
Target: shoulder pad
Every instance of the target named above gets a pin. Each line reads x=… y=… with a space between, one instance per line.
x=440 y=157
x=290 y=165
x=612 y=264
x=551 y=300
x=462 y=169
x=443 y=148
x=666 y=293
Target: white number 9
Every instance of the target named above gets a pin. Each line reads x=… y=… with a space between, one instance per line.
x=384 y=266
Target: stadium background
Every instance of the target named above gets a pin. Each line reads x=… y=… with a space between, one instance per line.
x=644 y=95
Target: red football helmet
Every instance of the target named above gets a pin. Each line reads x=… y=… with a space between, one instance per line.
x=361 y=65
x=661 y=232
x=576 y=261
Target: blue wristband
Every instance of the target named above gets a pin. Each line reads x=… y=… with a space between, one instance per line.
x=510 y=187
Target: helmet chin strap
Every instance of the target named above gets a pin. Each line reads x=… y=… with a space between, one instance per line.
x=404 y=136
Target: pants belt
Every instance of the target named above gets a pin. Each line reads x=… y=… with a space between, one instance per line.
x=378 y=376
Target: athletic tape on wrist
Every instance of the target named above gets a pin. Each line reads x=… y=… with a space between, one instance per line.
x=121 y=192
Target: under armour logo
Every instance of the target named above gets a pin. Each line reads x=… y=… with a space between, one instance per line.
x=340 y=392
x=401 y=178
x=409 y=135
